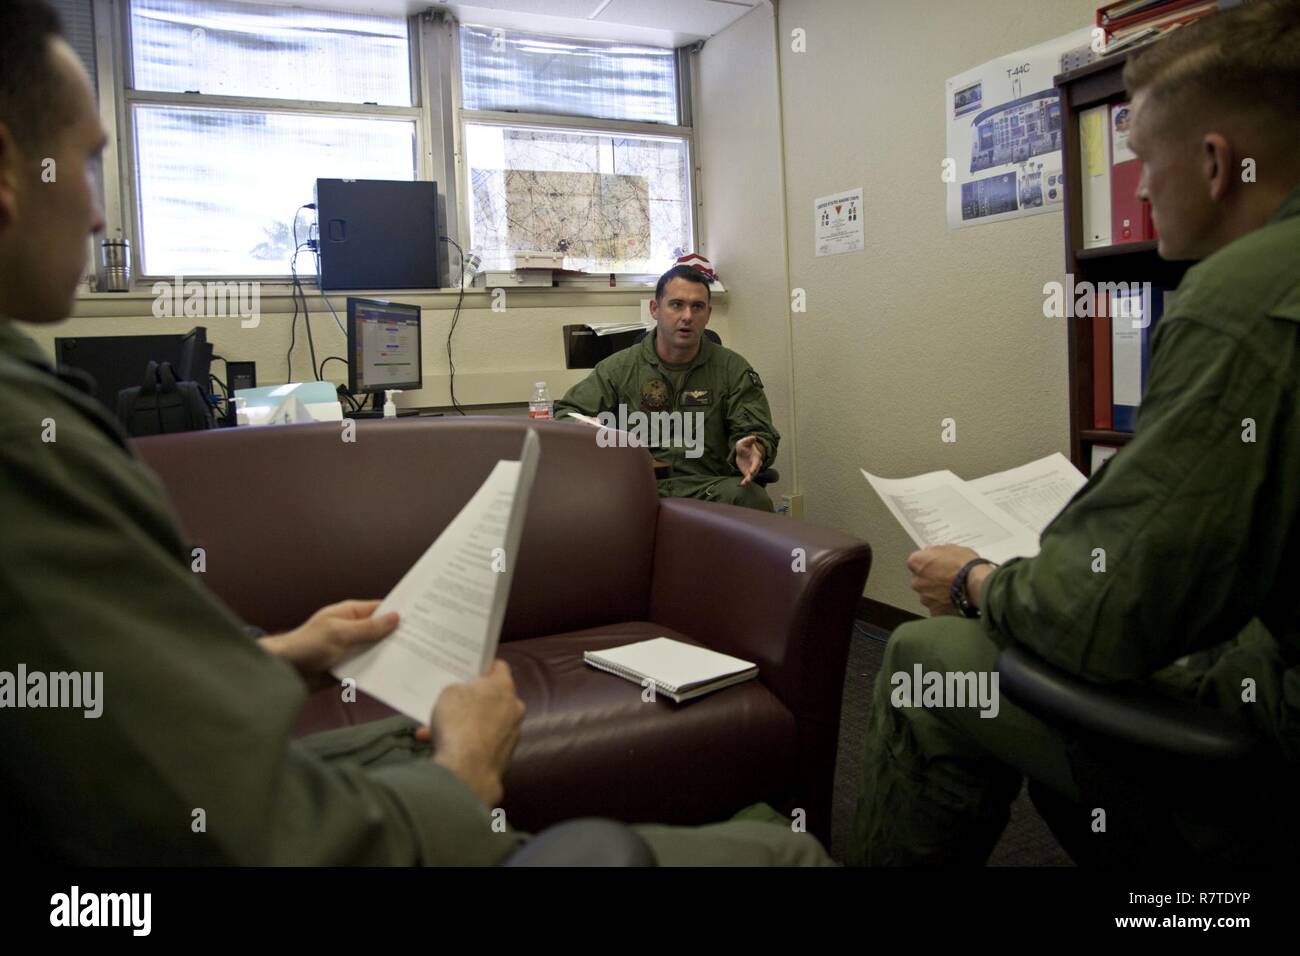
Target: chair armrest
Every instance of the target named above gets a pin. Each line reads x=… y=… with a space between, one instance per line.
x=588 y=842
x=1135 y=717
x=772 y=590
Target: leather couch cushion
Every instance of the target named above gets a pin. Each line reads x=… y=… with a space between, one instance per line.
x=592 y=747
x=293 y=518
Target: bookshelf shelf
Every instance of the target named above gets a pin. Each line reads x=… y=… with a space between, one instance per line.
x=1102 y=436
x=1092 y=85
x=1123 y=249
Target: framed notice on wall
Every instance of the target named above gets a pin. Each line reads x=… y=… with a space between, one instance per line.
x=837 y=223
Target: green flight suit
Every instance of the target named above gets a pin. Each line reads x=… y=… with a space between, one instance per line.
x=190 y=761
x=1199 y=521
x=719 y=383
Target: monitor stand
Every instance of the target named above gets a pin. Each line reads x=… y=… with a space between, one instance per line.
x=376 y=409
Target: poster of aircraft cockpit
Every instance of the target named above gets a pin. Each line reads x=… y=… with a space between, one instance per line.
x=1004 y=135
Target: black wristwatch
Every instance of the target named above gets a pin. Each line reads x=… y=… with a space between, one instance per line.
x=960 y=599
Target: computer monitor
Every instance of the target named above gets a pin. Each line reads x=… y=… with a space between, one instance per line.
x=383 y=346
x=116 y=362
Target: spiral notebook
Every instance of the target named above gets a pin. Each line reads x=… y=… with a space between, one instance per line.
x=680 y=671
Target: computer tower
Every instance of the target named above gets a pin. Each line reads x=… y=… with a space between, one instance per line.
x=377 y=234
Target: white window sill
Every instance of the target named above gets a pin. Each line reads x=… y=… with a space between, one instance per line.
x=275 y=297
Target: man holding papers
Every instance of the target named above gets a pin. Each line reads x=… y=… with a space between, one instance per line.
x=186 y=757
x=1188 y=540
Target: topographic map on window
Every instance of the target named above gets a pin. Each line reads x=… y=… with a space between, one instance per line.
x=607 y=203
x=591 y=217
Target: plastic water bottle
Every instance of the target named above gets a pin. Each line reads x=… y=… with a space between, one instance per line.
x=540 y=405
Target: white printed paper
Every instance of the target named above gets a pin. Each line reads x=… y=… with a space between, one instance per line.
x=999 y=516
x=937 y=508
x=453 y=599
x=1035 y=493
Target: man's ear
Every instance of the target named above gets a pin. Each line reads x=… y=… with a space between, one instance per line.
x=1217 y=165
x=9 y=169
x=654 y=309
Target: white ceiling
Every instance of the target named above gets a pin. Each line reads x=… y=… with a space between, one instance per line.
x=655 y=22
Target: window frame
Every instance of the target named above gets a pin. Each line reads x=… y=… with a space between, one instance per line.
x=436 y=110
x=129 y=221
x=684 y=131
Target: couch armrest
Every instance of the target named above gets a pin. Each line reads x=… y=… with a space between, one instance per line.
x=775 y=591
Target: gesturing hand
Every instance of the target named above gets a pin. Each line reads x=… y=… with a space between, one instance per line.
x=330 y=635
x=749 y=458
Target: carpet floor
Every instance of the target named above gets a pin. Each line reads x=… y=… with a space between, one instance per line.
x=1026 y=842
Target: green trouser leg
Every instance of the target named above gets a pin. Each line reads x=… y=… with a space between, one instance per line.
x=757 y=836
x=939 y=782
x=729 y=491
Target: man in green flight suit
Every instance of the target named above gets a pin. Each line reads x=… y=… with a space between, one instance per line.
x=173 y=747
x=1198 y=517
x=677 y=376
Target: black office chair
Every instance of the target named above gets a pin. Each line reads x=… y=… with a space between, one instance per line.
x=768 y=476
x=585 y=842
x=1167 y=773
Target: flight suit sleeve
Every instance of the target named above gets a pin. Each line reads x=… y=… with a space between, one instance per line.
x=1169 y=548
x=748 y=414
x=594 y=394
x=189 y=760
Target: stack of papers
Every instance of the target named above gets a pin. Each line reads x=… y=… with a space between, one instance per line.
x=677 y=670
x=613 y=328
x=1000 y=516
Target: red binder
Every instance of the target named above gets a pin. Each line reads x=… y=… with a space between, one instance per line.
x=1130 y=220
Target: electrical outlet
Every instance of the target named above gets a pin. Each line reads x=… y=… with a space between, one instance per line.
x=791 y=505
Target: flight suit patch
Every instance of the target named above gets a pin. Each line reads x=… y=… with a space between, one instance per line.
x=753 y=377
x=654 y=395
x=697 y=396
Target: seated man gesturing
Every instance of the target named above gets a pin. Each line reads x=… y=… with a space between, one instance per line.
x=702 y=404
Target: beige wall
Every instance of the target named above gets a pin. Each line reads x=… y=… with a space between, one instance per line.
x=926 y=323
x=742 y=221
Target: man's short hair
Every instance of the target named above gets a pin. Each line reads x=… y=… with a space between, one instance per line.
x=33 y=102
x=682 y=272
x=1246 y=59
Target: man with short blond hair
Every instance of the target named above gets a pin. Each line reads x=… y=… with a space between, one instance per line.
x=1200 y=528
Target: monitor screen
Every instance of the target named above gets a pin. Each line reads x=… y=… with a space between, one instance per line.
x=383 y=345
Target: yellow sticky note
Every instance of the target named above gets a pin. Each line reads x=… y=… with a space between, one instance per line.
x=1092 y=143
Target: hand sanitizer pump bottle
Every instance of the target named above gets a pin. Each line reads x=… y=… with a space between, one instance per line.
x=390 y=410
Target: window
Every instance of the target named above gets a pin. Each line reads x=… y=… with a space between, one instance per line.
x=576 y=147
x=236 y=109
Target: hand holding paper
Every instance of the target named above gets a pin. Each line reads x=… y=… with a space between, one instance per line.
x=1000 y=516
x=453 y=599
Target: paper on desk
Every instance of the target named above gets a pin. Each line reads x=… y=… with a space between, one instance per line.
x=1000 y=515
x=938 y=508
x=453 y=599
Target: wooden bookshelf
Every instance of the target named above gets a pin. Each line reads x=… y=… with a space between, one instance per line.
x=1088 y=86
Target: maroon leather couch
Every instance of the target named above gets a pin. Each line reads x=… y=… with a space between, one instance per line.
x=293 y=518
